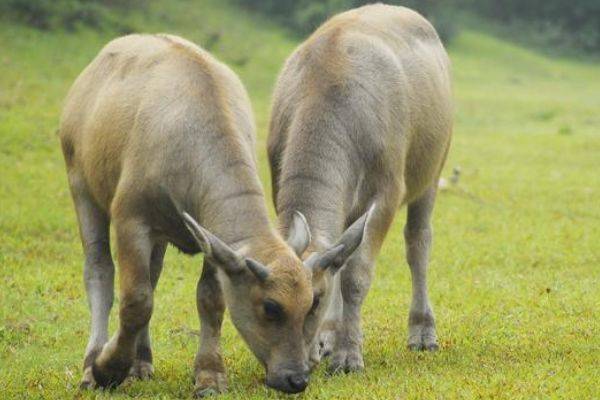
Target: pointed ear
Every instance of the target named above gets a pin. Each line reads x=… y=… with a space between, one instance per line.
x=220 y=253
x=335 y=257
x=299 y=234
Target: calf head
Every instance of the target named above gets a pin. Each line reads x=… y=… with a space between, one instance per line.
x=323 y=265
x=268 y=305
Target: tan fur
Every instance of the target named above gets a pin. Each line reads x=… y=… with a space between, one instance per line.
x=362 y=115
x=157 y=111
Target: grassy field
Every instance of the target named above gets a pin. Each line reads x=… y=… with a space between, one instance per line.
x=514 y=276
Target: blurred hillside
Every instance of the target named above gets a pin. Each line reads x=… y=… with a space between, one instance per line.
x=571 y=24
x=574 y=23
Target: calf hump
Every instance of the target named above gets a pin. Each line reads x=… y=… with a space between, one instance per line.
x=323 y=56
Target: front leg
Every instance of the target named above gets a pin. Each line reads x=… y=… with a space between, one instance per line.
x=355 y=282
x=112 y=366
x=209 y=370
x=324 y=342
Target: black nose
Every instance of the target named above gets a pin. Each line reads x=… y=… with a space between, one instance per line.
x=298 y=382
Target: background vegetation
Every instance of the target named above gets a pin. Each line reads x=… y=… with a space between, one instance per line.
x=70 y=14
x=514 y=273
x=575 y=23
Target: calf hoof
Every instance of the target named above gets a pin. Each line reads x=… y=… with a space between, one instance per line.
x=87 y=381
x=421 y=331
x=321 y=348
x=326 y=343
x=111 y=375
x=142 y=370
x=210 y=383
x=346 y=362
x=314 y=357
x=423 y=343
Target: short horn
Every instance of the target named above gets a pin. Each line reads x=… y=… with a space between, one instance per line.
x=199 y=234
x=214 y=248
x=335 y=257
x=330 y=258
x=260 y=271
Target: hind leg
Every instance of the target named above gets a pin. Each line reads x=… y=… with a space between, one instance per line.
x=418 y=237
x=98 y=272
x=355 y=282
x=142 y=366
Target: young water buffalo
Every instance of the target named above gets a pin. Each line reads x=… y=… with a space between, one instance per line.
x=362 y=116
x=155 y=123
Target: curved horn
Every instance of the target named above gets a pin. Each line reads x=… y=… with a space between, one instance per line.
x=199 y=233
x=213 y=247
x=338 y=254
x=330 y=258
x=260 y=271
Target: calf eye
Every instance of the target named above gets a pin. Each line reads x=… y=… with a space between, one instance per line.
x=273 y=310
x=315 y=304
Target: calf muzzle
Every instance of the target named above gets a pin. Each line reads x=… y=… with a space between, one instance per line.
x=289 y=382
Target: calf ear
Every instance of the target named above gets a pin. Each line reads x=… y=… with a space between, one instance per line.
x=299 y=234
x=220 y=253
x=335 y=257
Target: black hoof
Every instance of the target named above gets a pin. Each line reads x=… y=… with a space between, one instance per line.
x=109 y=378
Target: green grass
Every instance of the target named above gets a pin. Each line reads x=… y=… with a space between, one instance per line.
x=514 y=274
